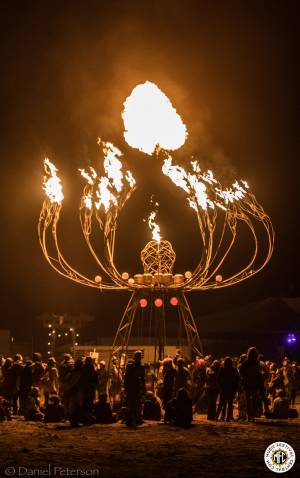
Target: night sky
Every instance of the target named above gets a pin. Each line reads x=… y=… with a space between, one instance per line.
x=229 y=68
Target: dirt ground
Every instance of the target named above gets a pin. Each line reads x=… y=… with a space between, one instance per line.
x=206 y=449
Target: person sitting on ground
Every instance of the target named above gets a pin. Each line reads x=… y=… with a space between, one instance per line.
x=122 y=415
x=280 y=409
x=5 y=409
x=152 y=407
x=103 y=411
x=54 y=410
x=275 y=384
x=182 y=411
x=32 y=411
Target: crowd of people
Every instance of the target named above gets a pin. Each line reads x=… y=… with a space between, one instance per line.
x=83 y=391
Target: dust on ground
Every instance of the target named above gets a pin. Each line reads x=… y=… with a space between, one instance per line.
x=151 y=450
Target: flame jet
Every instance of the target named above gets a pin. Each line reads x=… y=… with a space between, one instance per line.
x=152 y=124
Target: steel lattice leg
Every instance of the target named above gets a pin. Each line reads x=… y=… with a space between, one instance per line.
x=121 y=340
x=190 y=327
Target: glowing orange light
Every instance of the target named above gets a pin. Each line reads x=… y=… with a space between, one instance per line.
x=174 y=301
x=158 y=302
x=219 y=278
x=188 y=274
x=98 y=279
x=125 y=276
x=143 y=303
x=151 y=120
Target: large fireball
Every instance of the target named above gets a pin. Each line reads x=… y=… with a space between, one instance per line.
x=150 y=120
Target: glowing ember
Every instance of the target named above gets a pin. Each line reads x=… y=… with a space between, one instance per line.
x=150 y=120
x=154 y=227
x=52 y=185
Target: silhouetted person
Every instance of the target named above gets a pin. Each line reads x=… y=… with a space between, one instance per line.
x=275 y=384
x=241 y=397
x=54 y=410
x=73 y=394
x=16 y=371
x=152 y=407
x=103 y=412
x=25 y=385
x=182 y=377
x=50 y=379
x=182 y=411
x=7 y=386
x=212 y=388
x=4 y=410
x=65 y=367
x=32 y=410
x=198 y=383
x=134 y=384
x=38 y=370
x=228 y=379
x=115 y=381
x=89 y=384
x=280 y=409
x=167 y=390
x=102 y=377
x=150 y=378
x=253 y=382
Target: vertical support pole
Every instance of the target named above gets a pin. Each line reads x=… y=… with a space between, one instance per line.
x=190 y=327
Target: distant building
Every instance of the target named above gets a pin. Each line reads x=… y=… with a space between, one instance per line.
x=103 y=351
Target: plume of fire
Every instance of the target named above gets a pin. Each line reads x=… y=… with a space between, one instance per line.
x=112 y=164
x=90 y=177
x=52 y=185
x=202 y=188
x=150 y=120
x=88 y=201
x=154 y=227
x=104 y=195
x=108 y=187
